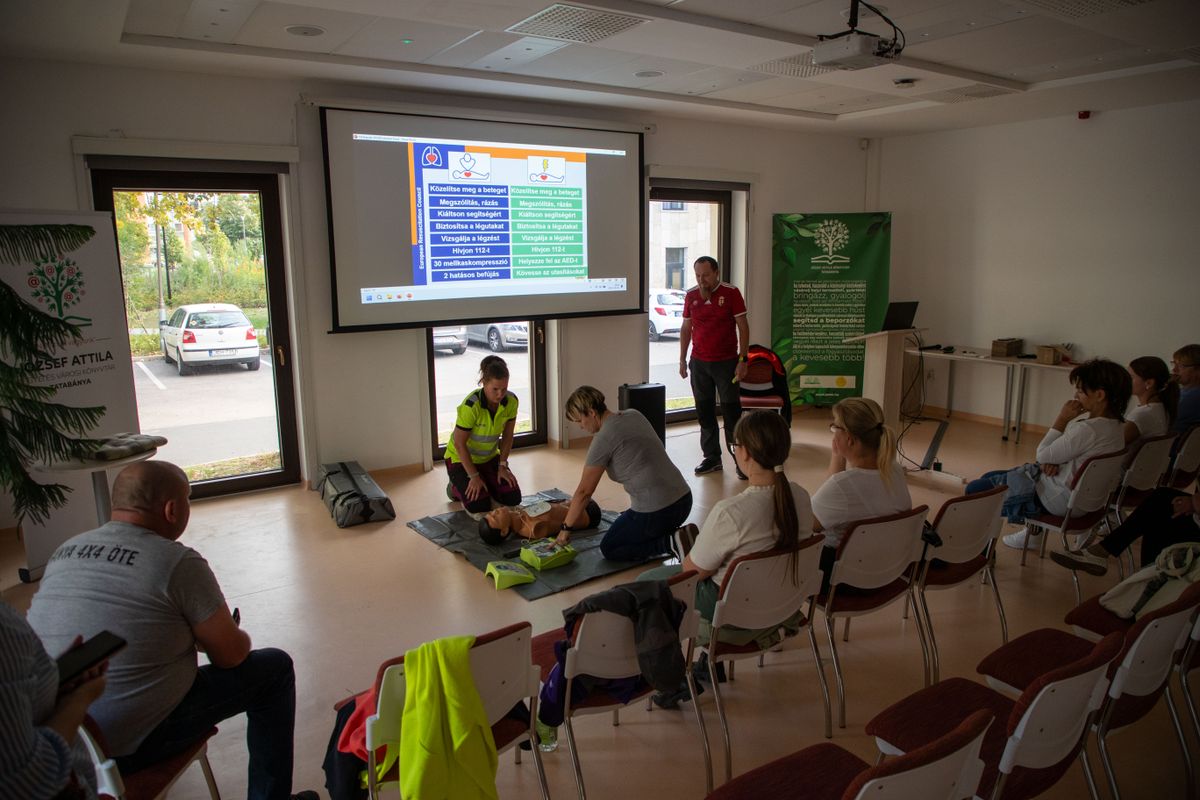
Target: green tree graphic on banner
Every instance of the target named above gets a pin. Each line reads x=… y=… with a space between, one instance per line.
x=829 y=282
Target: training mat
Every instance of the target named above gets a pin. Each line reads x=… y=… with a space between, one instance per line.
x=458 y=533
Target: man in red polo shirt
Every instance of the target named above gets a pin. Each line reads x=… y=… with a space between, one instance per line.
x=714 y=323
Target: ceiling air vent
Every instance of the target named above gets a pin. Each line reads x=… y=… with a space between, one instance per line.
x=800 y=66
x=963 y=94
x=574 y=24
x=1078 y=9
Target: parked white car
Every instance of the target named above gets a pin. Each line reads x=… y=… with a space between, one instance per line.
x=499 y=335
x=209 y=333
x=666 y=312
x=451 y=337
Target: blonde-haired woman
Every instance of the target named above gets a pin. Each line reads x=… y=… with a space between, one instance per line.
x=865 y=480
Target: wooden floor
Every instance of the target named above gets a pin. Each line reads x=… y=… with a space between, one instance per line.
x=341 y=601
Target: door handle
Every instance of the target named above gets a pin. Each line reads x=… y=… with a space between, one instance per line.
x=279 y=357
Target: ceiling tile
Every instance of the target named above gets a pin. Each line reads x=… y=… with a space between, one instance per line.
x=472 y=49
x=575 y=62
x=692 y=42
x=385 y=38
x=156 y=17
x=522 y=51
x=706 y=81
x=266 y=27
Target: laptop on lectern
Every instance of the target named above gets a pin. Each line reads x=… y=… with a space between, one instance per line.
x=899 y=316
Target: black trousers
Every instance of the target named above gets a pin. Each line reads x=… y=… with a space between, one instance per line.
x=1153 y=524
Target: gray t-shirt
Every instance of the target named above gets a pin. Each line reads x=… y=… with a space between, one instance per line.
x=146 y=589
x=633 y=456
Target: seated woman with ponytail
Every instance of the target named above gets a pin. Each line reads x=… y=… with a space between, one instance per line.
x=865 y=480
x=771 y=513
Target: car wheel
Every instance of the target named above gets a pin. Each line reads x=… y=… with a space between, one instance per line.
x=494 y=341
x=458 y=351
x=166 y=354
x=654 y=334
x=180 y=367
x=253 y=365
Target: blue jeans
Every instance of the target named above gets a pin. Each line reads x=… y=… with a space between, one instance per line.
x=712 y=379
x=1022 y=500
x=641 y=535
x=263 y=686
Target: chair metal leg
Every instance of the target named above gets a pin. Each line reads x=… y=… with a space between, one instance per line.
x=1187 y=756
x=708 y=770
x=574 y=756
x=533 y=742
x=1105 y=759
x=537 y=753
x=760 y=660
x=1087 y=771
x=206 y=768
x=728 y=670
x=933 y=658
x=812 y=641
x=1025 y=544
x=1046 y=539
x=712 y=674
x=1075 y=584
x=879 y=758
x=990 y=571
x=846 y=631
x=837 y=672
x=616 y=717
x=1187 y=694
x=998 y=789
x=907 y=601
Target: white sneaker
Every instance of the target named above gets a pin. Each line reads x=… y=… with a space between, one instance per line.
x=1016 y=540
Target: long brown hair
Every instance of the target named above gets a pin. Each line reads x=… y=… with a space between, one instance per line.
x=768 y=441
x=1166 y=391
x=862 y=418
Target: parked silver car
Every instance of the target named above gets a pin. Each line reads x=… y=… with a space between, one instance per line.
x=452 y=338
x=500 y=335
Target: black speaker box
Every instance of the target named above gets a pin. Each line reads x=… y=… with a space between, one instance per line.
x=651 y=400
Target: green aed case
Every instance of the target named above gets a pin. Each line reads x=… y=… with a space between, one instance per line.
x=547 y=554
x=508 y=573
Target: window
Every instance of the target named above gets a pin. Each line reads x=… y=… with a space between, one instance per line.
x=676 y=266
x=674 y=205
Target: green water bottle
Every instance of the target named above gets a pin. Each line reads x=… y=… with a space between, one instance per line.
x=547 y=737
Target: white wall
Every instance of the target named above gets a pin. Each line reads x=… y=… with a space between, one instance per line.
x=1053 y=230
x=362 y=390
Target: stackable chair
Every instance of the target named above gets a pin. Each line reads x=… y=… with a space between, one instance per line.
x=758 y=592
x=948 y=768
x=755 y=391
x=504 y=673
x=877 y=564
x=968 y=527
x=1186 y=465
x=604 y=647
x=150 y=783
x=1091 y=487
x=1138 y=676
x=1036 y=737
x=1189 y=660
x=1146 y=466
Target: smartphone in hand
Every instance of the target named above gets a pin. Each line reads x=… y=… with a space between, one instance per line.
x=79 y=660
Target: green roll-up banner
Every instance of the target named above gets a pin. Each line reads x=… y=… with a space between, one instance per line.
x=829 y=282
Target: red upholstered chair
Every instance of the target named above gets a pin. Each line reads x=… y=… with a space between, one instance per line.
x=1186 y=466
x=947 y=768
x=1139 y=675
x=754 y=390
x=968 y=527
x=504 y=673
x=759 y=592
x=877 y=564
x=1091 y=487
x=604 y=647
x=150 y=783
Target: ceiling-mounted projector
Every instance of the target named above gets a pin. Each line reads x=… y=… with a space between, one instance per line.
x=853 y=50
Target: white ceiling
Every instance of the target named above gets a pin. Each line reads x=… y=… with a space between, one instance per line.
x=973 y=62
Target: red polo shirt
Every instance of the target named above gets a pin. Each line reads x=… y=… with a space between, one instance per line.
x=714 y=332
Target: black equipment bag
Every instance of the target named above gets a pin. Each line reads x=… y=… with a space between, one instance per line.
x=351 y=495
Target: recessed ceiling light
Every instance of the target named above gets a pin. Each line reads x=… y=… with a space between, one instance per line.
x=406 y=41
x=305 y=30
x=648 y=73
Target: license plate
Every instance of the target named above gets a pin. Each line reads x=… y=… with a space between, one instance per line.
x=222 y=352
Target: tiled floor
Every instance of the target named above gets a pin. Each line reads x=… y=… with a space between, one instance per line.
x=341 y=601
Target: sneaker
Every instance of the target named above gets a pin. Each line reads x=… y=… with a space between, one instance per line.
x=307 y=794
x=1082 y=561
x=670 y=700
x=708 y=465
x=1017 y=540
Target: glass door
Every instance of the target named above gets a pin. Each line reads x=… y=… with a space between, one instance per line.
x=202 y=267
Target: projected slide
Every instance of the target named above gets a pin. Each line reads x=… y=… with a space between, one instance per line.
x=435 y=219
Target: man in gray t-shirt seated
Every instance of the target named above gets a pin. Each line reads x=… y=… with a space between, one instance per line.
x=132 y=577
x=626 y=447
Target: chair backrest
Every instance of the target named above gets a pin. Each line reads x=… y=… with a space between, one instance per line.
x=948 y=768
x=1047 y=724
x=501 y=665
x=1094 y=482
x=1149 y=464
x=1151 y=646
x=759 y=375
x=604 y=645
x=966 y=524
x=875 y=552
x=1187 y=459
x=758 y=590
x=108 y=777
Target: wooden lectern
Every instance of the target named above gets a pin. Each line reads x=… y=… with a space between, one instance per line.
x=883 y=371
